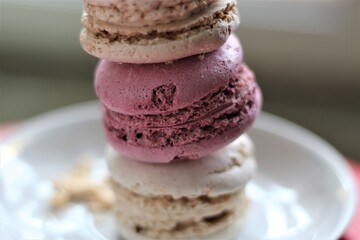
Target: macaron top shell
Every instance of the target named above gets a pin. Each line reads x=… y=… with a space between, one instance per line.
x=224 y=171
x=133 y=89
x=148 y=4
x=166 y=33
x=140 y=13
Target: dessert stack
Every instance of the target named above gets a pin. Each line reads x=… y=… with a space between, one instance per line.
x=176 y=100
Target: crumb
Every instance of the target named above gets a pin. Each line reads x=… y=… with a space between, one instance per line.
x=169 y=62
x=77 y=186
x=201 y=56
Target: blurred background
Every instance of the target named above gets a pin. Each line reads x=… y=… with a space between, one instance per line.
x=306 y=55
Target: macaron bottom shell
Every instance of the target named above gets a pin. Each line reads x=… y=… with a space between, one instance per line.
x=177 y=219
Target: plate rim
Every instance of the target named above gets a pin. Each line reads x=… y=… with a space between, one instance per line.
x=90 y=110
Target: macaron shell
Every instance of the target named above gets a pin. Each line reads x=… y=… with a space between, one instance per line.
x=158 y=51
x=142 y=13
x=200 y=19
x=224 y=171
x=193 y=150
x=129 y=88
x=202 y=32
x=231 y=232
x=165 y=218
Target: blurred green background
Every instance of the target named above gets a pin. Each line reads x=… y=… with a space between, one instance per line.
x=306 y=55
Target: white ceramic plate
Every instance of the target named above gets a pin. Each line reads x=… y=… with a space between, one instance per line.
x=304 y=189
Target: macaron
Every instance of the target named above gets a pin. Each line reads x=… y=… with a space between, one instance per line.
x=183 y=110
x=161 y=201
x=155 y=31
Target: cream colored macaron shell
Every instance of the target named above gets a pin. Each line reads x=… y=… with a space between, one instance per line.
x=164 y=218
x=230 y=232
x=200 y=31
x=195 y=199
x=226 y=170
x=143 y=13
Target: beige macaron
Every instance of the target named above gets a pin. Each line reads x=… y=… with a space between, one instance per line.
x=195 y=199
x=125 y=31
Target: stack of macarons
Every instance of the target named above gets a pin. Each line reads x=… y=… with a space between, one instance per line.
x=176 y=100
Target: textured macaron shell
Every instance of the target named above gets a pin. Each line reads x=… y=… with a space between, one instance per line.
x=133 y=89
x=224 y=171
x=140 y=13
x=201 y=32
x=229 y=232
x=216 y=12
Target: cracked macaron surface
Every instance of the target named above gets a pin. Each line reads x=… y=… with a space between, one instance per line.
x=182 y=110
